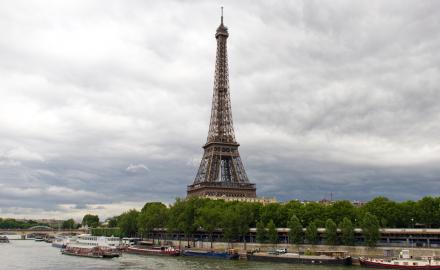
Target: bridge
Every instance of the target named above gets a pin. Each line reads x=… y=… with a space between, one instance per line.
x=41 y=231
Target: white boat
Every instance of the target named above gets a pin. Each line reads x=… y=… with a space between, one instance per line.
x=93 y=246
x=91 y=240
x=62 y=241
x=130 y=241
x=88 y=240
x=39 y=239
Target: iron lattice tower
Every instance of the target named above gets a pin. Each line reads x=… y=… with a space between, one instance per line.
x=221 y=172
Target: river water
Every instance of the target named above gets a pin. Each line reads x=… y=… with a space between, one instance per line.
x=28 y=254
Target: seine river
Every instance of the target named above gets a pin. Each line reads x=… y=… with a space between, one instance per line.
x=27 y=254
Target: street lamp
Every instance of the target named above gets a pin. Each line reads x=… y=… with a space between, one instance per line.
x=412 y=222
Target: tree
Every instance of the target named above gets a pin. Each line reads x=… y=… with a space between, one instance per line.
x=428 y=209
x=261 y=232
x=370 y=229
x=209 y=218
x=244 y=219
x=384 y=209
x=314 y=212
x=103 y=231
x=331 y=232
x=296 y=230
x=272 y=232
x=113 y=222
x=275 y=212
x=312 y=233
x=90 y=220
x=176 y=222
x=128 y=223
x=189 y=216
x=230 y=224
x=68 y=224
x=255 y=209
x=341 y=209
x=294 y=207
x=153 y=215
x=347 y=232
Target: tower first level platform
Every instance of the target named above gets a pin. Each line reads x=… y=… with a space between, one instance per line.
x=219 y=189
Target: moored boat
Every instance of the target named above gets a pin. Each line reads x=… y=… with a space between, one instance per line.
x=91 y=252
x=62 y=241
x=11 y=235
x=4 y=239
x=226 y=255
x=130 y=241
x=87 y=245
x=153 y=250
x=325 y=258
x=405 y=261
x=49 y=239
x=92 y=240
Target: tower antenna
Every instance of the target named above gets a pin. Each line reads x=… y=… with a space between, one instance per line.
x=222 y=15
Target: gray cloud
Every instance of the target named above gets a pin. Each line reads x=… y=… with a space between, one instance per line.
x=104 y=107
x=136 y=168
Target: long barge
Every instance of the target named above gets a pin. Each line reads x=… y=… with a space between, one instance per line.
x=153 y=250
x=226 y=255
x=94 y=252
x=295 y=258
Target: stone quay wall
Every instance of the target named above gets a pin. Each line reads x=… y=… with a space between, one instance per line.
x=354 y=251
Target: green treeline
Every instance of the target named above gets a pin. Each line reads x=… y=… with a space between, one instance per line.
x=235 y=219
x=10 y=223
x=90 y=220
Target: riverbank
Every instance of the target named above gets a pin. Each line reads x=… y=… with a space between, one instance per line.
x=354 y=251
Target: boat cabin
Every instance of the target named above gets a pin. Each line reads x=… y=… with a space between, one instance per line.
x=404 y=254
x=332 y=253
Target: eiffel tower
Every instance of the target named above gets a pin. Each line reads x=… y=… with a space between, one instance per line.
x=221 y=172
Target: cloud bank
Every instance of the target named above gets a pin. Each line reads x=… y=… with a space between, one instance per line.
x=104 y=106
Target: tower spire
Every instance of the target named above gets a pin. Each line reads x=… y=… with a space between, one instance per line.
x=222 y=30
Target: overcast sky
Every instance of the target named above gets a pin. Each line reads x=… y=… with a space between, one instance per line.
x=105 y=105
